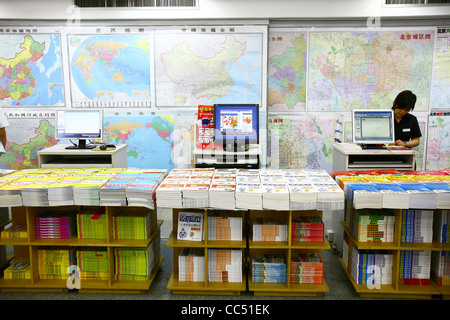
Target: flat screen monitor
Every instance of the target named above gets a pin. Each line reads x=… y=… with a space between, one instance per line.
x=80 y=124
x=236 y=126
x=373 y=127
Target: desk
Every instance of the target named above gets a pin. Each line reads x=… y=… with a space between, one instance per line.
x=60 y=157
x=345 y=159
x=218 y=158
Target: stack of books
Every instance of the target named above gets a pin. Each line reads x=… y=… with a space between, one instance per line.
x=91 y=224
x=190 y=226
x=307 y=229
x=275 y=196
x=142 y=192
x=363 y=195
x=249 y=195
x=169 y=193
x=36 y=193
x=371 y=267
x=269 y=268
x=129 y=225
x=303 y=195
x=373 y=226
x=269 y=229
x=440 y=268
x=196 y=192
x=134 y=264
x=56 y=225
x=113 y=192
x=54 y=263
x=441 y=230
x=415 y=267
x=442 y=190
x=329 y=196
x=191 y=265
x=16 y=231
x=417 y=226
x=222 y=194
x=93 y=264
x=225 y=228
x=420 y=196
x=224 y=265
x=393 y=196
x=307 y=268
x=18 y=270
x=60 y=193
x=87 y=192
x=10 y=195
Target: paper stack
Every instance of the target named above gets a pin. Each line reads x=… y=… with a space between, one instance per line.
x=92 y=223
x=224 y=265
x=415 y=267
x=371 y=268
x=113 y=193
x=56 y=225
x=168 y=194
x=372 y=226
x=190 y=226
x=132 y=225
x=196 y=193
x=18 y=270
x=249 y=195
x=60 y=193
x=393 y=196
x=275 y=196
x=134 y=264
x=191 y=265
x=307 y=229
x=441 y=230
x=417 y=226
x=54 y=263
x=269 y=229
x=420 y=197
x=269 y=268
x=225 y=228
x=442 y=190
x=303 y=196
x=306 y=268
x=222 y=195
x=10 y=195
x=363 y=195
x=93 y=264
x=86 y=192
x=440 y=268
x=329 y=196
x=142 y=193
x=36 y=193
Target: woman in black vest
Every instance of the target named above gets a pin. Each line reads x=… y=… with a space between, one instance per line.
x=407 y=130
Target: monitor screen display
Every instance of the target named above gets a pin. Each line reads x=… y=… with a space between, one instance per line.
x=236 y=124
x=373 y=126
x=81 y=124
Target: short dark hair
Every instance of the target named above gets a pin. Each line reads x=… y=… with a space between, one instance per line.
x=405 y=100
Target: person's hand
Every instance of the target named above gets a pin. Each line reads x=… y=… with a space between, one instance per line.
x=400 y=143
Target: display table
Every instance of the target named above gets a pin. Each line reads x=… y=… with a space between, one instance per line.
x=219 y=158
x=346 y=158
x=60 y=157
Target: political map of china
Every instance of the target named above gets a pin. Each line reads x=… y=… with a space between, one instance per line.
x=30 y=70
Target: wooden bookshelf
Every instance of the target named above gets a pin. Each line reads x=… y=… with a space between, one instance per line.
x=395 y=289
x=287 y=248
x=27 y=250
x=206 y=287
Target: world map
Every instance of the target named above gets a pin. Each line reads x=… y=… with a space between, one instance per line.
x=297 y=142
x=367 y=69
x=110 y=70
x=195 y=69
x=149 y=137
x=30 y=70
x=287 y=71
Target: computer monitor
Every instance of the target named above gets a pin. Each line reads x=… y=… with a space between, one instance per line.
x=373 y=127
x=236 y=126
x=79 y=124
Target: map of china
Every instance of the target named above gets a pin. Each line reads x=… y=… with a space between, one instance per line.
x=16 y=80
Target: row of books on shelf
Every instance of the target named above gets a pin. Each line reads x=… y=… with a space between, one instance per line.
x=56 y=263
x=304 y=228
x=90 y=186
x=232 y=189
x=90 y=223
x=396 y=189
x=416 y=267
x=224 y=265
x=417 y=226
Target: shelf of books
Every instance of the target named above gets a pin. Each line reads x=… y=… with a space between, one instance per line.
x=396 y=233
x=208 y=252
x=99 y=246
x=277 y=237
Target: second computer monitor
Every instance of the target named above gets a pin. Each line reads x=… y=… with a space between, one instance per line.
x=373 y=127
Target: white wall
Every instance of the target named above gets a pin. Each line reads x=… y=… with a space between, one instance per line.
x=225 y=9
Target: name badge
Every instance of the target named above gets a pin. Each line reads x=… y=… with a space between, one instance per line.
x=406 y=129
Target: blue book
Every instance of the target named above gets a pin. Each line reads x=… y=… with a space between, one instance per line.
x=420 y=197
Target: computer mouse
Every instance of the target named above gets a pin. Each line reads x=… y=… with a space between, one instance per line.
x=103 y=147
